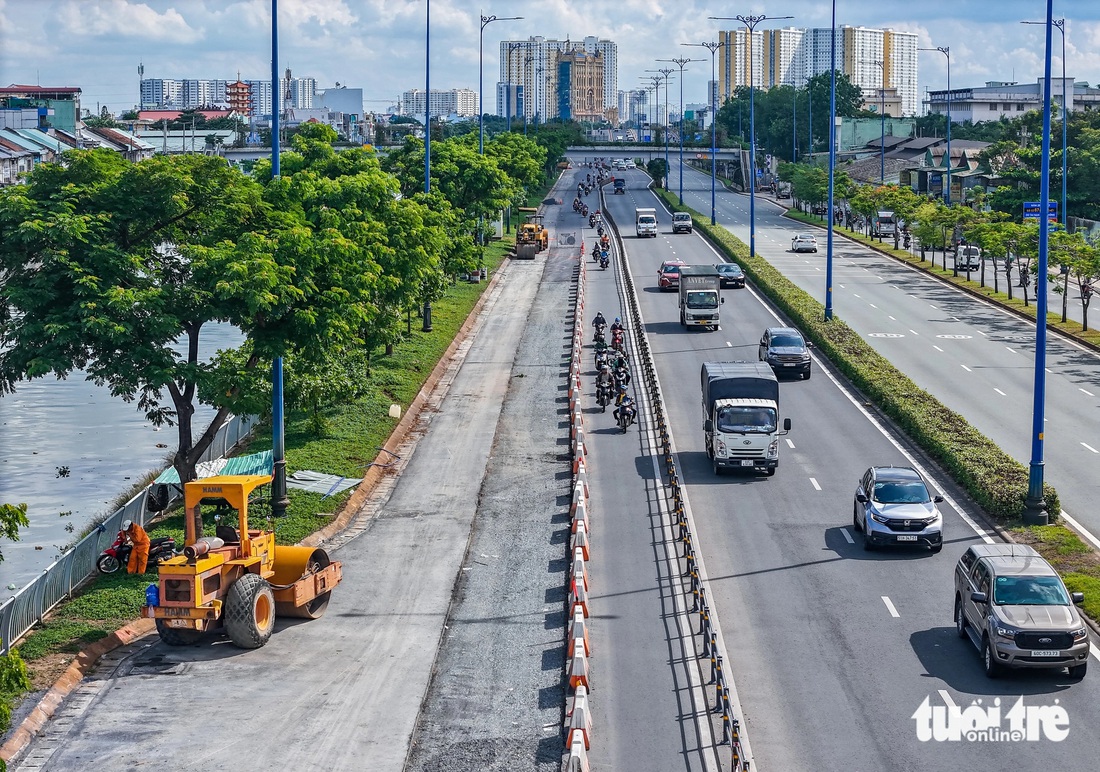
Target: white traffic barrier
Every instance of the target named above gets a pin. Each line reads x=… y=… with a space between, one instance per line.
x=579 y=447
x=578 y=598
x=580 y=719
x=578 y=759
x=578 y=670
x=582 y=478
x=580 y=569
x=578 y=634
x=579 y=497
x=580 y=539
x=580 y=517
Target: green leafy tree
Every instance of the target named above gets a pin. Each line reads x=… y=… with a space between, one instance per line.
x=12 y=518
x=658 y=170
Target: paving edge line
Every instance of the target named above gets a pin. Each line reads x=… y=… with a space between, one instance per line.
x=76 y=672
x=84 y=661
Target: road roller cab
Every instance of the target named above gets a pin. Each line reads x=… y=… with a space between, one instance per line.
x=237 y=578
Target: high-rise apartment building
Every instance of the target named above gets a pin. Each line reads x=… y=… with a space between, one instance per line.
x=533 y=64
x=193 y=93
x=873 y=59
x=456 y=101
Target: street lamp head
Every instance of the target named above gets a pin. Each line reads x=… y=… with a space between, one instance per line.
x=749 y=21
x=486 y=20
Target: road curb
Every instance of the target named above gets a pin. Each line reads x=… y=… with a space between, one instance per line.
x=72 y=677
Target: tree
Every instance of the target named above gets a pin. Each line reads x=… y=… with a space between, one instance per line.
x=658 y=170
x=108 y=264
x=12 y=518
x=1080 y=260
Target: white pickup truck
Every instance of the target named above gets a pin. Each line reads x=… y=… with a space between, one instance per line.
x=645 y=222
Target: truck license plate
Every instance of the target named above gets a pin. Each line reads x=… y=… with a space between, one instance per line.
x=1045 y=653
x=746 y=462
x=909 y=537
x=179 y=623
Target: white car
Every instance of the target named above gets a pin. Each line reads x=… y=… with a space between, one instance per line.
x=804 y=242
x=630 y=164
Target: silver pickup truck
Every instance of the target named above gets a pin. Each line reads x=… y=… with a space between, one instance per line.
x=1016 y=611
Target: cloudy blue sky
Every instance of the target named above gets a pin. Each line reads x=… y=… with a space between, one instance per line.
x=378 y=44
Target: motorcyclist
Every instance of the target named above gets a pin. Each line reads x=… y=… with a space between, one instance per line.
x=622 y=376
x=626 y=407
x=603 y=377
x=617 y=325
x=599 y=321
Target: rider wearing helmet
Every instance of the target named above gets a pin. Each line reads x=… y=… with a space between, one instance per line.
x=617 y=325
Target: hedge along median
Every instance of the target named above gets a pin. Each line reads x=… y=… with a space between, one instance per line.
x=993 y=478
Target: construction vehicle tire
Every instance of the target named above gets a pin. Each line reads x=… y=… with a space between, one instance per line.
x=174 y=636
x=250 y=612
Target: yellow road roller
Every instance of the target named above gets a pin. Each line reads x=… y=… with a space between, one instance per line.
x=238 y=578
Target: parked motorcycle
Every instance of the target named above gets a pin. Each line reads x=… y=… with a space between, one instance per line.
x=118 y=554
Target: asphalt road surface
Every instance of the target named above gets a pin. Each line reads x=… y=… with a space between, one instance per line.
x=833 y=649
x=977 y=359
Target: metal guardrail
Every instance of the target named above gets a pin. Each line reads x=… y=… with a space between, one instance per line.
x=57 y=581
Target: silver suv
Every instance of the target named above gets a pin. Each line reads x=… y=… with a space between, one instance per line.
x=1014 y=608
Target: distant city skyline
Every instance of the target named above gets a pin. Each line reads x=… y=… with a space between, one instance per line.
x=97 y=45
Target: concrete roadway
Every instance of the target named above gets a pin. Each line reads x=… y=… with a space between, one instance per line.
x=976 y=358
x=832 y=648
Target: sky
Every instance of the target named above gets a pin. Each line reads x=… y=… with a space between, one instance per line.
x=378 y=45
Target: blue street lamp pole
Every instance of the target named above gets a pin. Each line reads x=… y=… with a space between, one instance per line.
x=681 y=63
x=750 y=23
x=485 y=22
x=832 y=170
x=427 y=314
x=279 y=500
x=1035 y=512
x=810 y=118
x=1060 y=24
x=712 y=47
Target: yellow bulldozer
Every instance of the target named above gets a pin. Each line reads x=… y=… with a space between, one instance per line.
x=238 y=579
x=532 y=236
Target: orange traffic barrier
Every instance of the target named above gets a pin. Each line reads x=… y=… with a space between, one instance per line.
x=579 y=498
x=580 y=539
x=578 y=596
x=578 y=670
x=582 y=477
x=578 y=633
x=578 y=759
x=580 y=720
x=582 y=246
x=580 y=569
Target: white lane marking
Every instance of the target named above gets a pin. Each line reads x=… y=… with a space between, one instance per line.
x=1086 y=391
x=856 y=296
x=817 y=487
x=1080 y=529
x=1048 y=369
x=982 y=333
x=872 y=305
x=729 y=344
x=890 y=607
x=967 y=369
x=841 y=286
x=847 y=536
x=914 y=332
x=1010 y=349
x=1000 y=392
x=933 y=308
x=892 y=319
x=790 y=444
x=1090 y=447
x=937 y=348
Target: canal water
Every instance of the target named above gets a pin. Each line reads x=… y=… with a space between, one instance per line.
x=68 y=449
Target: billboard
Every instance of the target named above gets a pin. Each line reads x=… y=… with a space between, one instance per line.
x=1032 y=209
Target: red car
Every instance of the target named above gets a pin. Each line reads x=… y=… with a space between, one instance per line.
x=668 y=275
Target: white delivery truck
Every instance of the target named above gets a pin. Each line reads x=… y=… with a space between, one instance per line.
x=645 y=222
x=700 y=296
x=741 y=416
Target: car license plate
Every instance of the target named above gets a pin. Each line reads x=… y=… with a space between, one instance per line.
x=746 y=462
x=790 y=364
x=1046 y=653
x=907 y=537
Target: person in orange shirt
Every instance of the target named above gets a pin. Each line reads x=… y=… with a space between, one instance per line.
x=139 y=555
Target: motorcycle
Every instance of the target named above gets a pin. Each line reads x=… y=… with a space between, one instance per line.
x=118 y=554
x=603 y=395
x=625 y=414
x=604 y=259
x=617 y=339
x=584 y=210
x=591 y=221
x=600 y=336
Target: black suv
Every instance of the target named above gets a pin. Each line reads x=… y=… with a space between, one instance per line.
x=786 y=351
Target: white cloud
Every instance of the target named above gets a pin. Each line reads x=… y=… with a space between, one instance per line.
x=118 y=18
